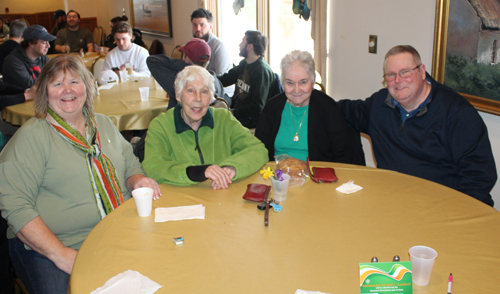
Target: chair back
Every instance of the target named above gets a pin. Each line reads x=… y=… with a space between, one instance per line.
x=98 y=66
x=276 y=88
x=99 y=36
x=220 y=103
x=319 y=86
x=156 y=48
x=176 y=53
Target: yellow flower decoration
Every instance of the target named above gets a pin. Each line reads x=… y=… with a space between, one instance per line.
x=266 y=173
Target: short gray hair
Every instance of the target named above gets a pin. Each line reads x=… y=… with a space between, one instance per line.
x=303 y=58
x=17 y=28
x=189 y=74
x=404 y=49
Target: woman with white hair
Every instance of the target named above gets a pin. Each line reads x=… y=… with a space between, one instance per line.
x=303 y=122
x=193 y=142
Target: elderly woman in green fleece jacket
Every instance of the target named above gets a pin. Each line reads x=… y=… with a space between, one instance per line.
x=192 y=142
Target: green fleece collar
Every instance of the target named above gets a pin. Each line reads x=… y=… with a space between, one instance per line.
x=181 y=126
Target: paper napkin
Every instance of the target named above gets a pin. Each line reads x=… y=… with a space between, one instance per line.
x=165 y=214
x=349 y=188
x=308 y=292
x=107 y=86
x=128 y=282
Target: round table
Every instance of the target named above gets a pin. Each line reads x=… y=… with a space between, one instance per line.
x=122 y=104
x=316 y=243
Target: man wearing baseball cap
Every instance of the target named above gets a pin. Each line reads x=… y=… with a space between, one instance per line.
x=23 y=65
x=164 y=69
x=60 y=17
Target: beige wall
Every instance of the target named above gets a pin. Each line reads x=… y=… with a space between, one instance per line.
x=104 y=10
x=29 y=6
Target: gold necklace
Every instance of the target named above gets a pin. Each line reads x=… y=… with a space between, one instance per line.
x=296 y=137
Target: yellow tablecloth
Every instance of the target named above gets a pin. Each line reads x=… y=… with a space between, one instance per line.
x=315 y=243
x=122 y=103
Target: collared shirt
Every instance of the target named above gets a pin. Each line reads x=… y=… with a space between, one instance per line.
x=405 y=114
x=181 y=125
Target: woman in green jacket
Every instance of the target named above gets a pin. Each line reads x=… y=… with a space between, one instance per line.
x=193 y=142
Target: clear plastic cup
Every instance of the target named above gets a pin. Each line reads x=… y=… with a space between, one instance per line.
x=280 y=188
x=144 y=93
x=123 y=76
x=130 y=68
x=143 y=198
x=422 y=260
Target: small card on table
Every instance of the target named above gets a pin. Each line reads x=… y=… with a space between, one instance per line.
x=385 y=277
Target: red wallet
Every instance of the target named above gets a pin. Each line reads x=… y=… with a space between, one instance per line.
x=322 y=174
x=257 y=192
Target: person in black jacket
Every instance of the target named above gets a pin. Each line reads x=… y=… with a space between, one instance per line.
x=422 y=128
x=303 y=122
x=23 y=65
x=17 y=28
x=164 y=69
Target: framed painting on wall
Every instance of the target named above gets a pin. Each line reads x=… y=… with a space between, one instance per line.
x=152 y=16
x=466 y=55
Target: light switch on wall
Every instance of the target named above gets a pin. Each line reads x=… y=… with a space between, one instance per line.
x=372 y=44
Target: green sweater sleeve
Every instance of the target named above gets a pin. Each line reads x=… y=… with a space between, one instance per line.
x=22 y=165
x=160 y=160
x=248 y=154
x=168 y=154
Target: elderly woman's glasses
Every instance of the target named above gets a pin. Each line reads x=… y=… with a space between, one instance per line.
x=403 y=74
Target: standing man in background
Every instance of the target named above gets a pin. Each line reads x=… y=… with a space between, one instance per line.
x=254 y=80
x=60 y=17
x=74 y=36
x=220 y=62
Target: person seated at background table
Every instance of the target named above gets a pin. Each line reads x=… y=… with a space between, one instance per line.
x=74 y=36
x=164 y=69
x=425 y=129
x=23 y=65
x=62 y=172
x=17 y=28
x=254 y=79
x=60 y=18
x=126 y=52
x=4 y=30
x=193 y=142
x=303 y=122
x=12 y=95
x=110 y=40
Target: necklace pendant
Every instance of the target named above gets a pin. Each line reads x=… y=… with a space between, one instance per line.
x=296 y=138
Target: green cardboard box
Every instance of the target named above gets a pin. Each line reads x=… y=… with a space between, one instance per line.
x=385 y=277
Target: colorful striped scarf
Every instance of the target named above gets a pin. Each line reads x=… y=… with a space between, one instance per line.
x=101 y=170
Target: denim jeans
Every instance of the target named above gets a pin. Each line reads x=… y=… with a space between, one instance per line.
x=38 y=273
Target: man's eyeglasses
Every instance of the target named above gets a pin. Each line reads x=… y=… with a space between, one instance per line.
x=403 y=74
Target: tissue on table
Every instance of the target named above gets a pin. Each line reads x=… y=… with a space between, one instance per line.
x=349 y=188
x=308 y=292
x=165 y=214
x=128 y=282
